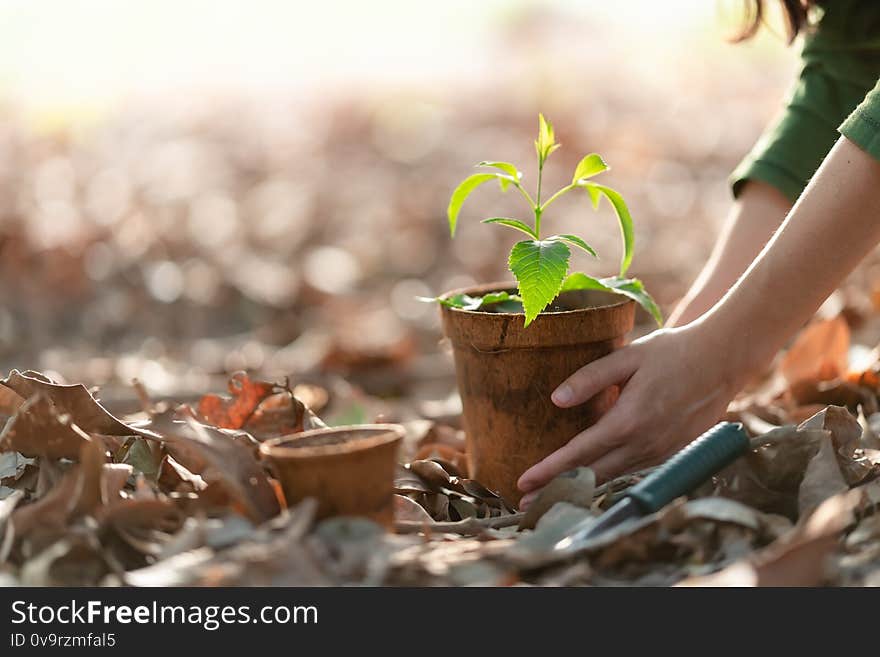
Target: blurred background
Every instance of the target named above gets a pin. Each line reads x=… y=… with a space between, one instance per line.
x=191 y=187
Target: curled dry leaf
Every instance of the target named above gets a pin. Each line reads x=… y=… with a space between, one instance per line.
x=265 y=410
x=846 y=435
x=797 y=559
x=769 y=477
x=234 y=411
x=453 y=461
x=431 y=472
x=409 y=510
x=36 y=429
x=73 y=400
x=226 y=462
x=407 y=481
x=822 y=479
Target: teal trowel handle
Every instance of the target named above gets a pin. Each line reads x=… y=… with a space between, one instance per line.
x=715 y=449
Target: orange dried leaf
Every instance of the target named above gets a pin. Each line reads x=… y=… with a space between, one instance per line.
x=234 y=412
x=820 y=352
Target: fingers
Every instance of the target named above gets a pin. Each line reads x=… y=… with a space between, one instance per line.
x=583 y=449
x=593 y=378
x=617 y=462
x=527 y=499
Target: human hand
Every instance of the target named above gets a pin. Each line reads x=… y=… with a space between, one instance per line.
x=676 y=383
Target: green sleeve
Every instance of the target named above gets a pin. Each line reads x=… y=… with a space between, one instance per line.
x=840 y=64
x=789 y=152
x=863 y=125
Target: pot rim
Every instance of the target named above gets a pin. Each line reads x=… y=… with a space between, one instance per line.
x=284 y=447
x=507 y=287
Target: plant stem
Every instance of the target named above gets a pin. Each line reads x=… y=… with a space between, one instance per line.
x=538 y=209
x=525 y=194
x=562 y=191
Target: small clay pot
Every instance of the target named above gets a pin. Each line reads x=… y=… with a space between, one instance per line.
x=349 y=470
x=506 y=373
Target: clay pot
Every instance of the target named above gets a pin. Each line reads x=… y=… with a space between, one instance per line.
x=349 y=470
x=506 y=373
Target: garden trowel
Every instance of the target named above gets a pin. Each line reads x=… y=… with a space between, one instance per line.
x=705 y=456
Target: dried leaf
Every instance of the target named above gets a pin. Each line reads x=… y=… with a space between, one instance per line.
x=430 y=472
x=265 y=410
x=12 y=464
x=846 y=434
x=820 y=352
x=407 y=481
x=74 y=400
x=798 y=558
x=38 y=430
x=234 y=411
x=226 y=462
x=113 y=481
x=10 y=401
x=575 y=487
x=77 y=493
x=822 y=479
x=409 y=510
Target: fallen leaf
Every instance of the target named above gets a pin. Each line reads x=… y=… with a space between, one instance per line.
x=796 y=559
x=575 y=487
x=234 y=411
x=409 y=510
x=846 y=433
x=74 y=400
x=430 y=472
x=37 y=430
x=226 y=462
x=819 y=353
x=822 y=479
x=78 y=492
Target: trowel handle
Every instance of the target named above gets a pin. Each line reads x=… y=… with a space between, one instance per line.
x=705 y=456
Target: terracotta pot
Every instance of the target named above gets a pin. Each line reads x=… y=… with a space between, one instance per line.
x=506 y=374
x=349 y=470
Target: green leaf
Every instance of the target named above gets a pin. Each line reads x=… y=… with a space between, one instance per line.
x=578 y=280
x=594 y=194
x=511 y=174
x=629 y=287
x=546 y=141
x=468 y=302
x=506 y=167
x=591 y=165
x=577 y=241
x=623 y=216
x=461 y=193
x=539 y=268
x=513 y=223
x=142 y=459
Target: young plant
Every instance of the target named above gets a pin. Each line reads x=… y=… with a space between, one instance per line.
x=541 y=264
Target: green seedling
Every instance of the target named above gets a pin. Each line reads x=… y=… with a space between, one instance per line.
x=541 y=264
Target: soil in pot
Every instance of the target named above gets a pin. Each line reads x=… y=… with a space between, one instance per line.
x=349 y=470
x=506 y=373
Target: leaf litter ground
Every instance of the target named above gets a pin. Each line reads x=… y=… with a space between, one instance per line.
x=176 y=494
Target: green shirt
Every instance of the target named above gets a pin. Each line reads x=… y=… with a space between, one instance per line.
x=863 y=125
x=841 y=63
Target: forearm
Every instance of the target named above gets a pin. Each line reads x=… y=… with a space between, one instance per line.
x=828 y=232
x=754 y=217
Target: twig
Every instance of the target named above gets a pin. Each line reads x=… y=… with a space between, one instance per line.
x=627 y=480
x=147 y=405
x=466 y=526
